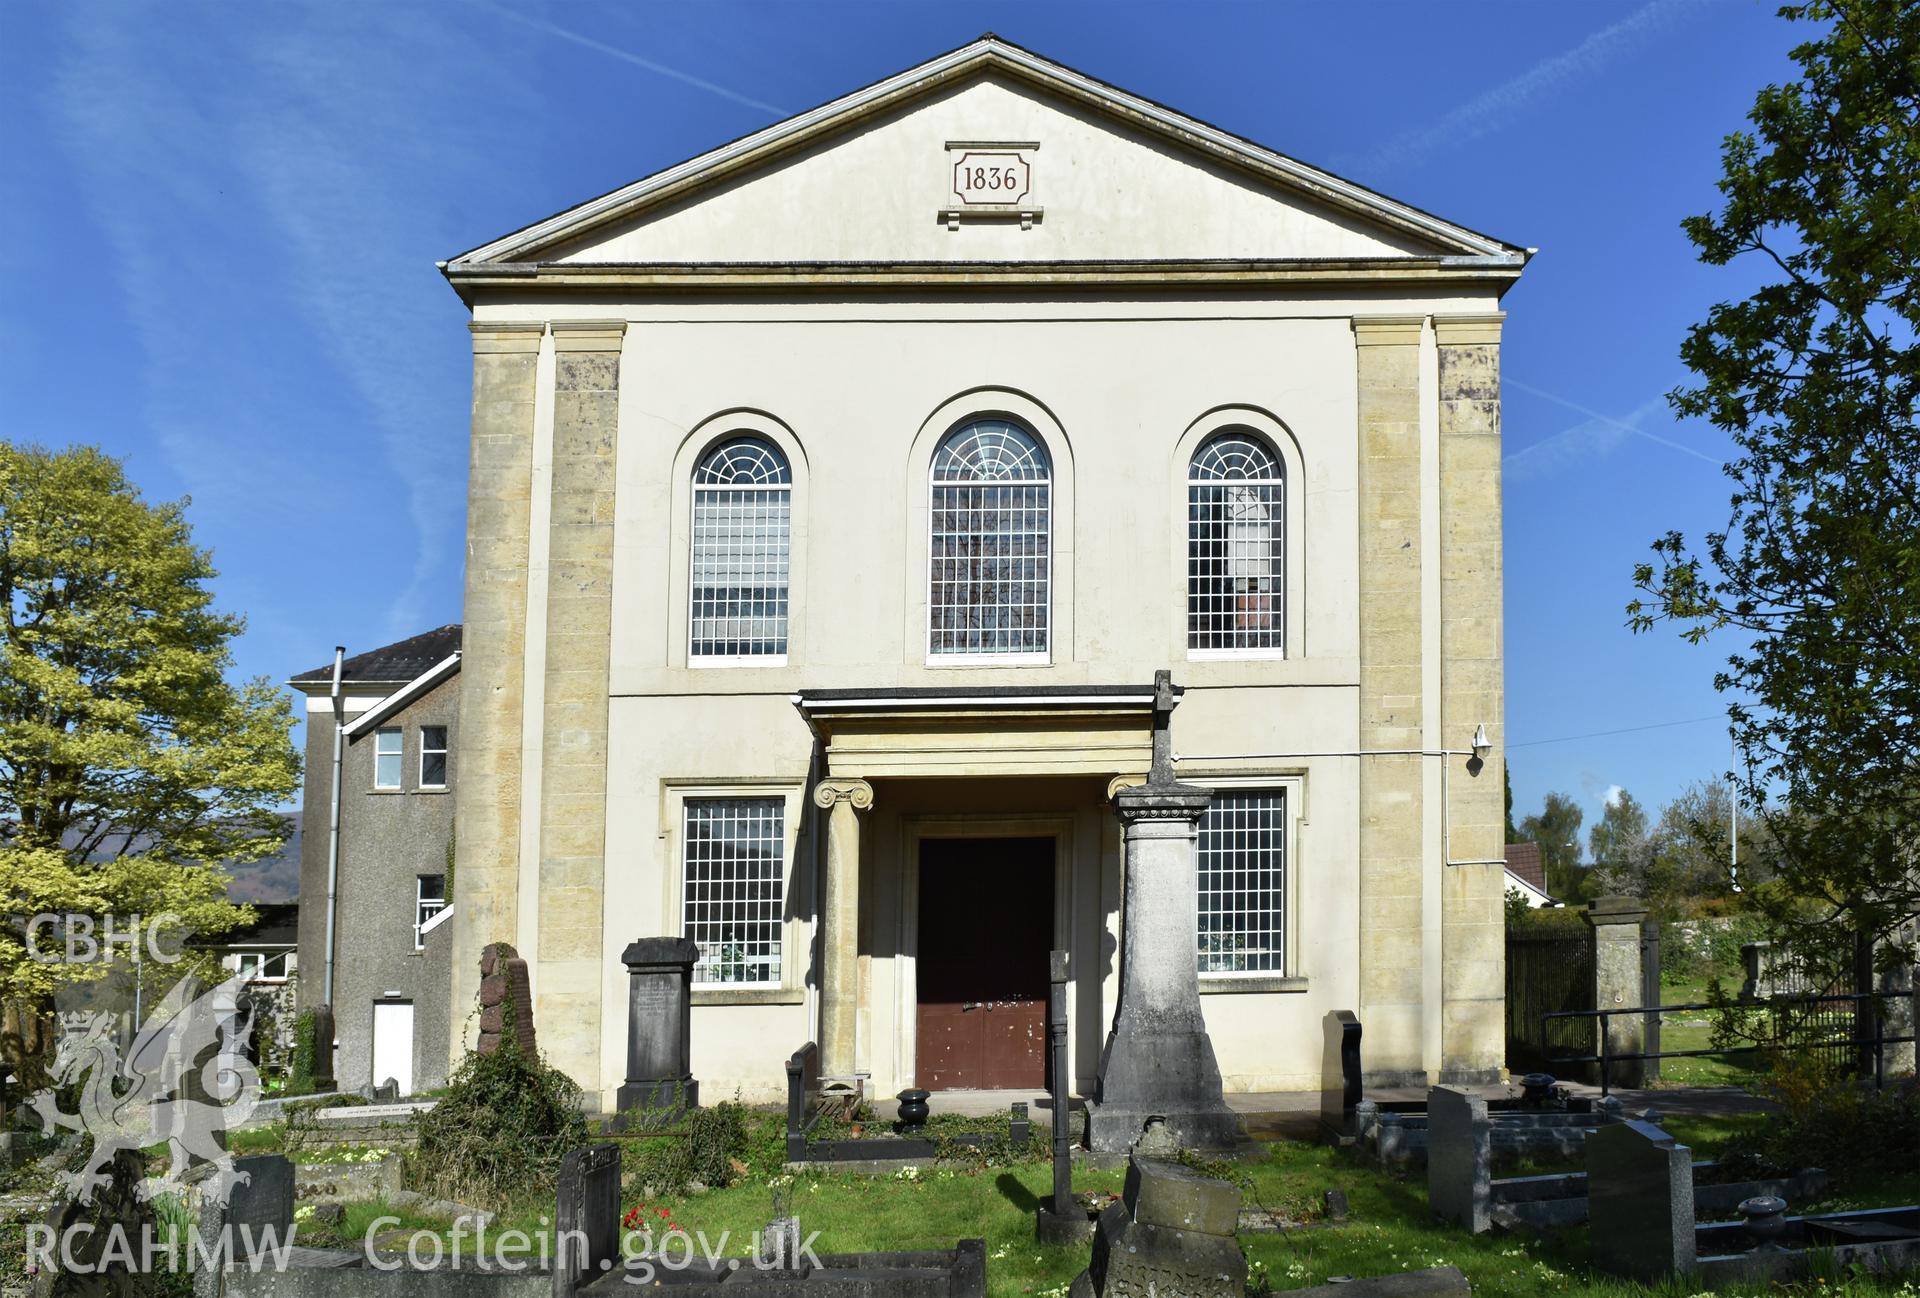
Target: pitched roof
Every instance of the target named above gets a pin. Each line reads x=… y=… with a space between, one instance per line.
x=389 y=666
x=1524 y=863
x=990 y=53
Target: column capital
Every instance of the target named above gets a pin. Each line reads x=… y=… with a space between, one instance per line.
x=1387 y=330
x=588 y=335
x=1468 y=330
x=492 y=336
x=856 y=793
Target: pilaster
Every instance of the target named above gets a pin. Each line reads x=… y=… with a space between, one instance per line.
x=1472 y=693
x=573 y=793
x=487 y=793
x=1392 y=946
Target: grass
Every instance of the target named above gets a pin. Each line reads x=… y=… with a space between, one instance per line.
x=1693 y=1030
x=1389 y=1228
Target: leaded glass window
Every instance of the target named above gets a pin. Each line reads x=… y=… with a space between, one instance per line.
x=742 y=507
x=1236 y=546
x=734 y=888
x=991 y=542
x=1243 y=883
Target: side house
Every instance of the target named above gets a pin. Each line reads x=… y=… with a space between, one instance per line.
x=377 y=947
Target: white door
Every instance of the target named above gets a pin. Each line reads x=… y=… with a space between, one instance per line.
x=393 y=1043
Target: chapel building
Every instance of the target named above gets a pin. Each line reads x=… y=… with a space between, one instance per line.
x=836 y=495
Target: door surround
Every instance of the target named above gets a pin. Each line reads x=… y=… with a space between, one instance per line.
x=1057 y=826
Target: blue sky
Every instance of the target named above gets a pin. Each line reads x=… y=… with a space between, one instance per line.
x=221 y=221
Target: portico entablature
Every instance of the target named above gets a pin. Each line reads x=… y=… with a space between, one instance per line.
x=982 y=731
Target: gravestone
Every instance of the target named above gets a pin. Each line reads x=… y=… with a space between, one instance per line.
x=323 y=1048
x=1158 y=1059
x=586 y=1218
x=506 y=997
x=256 y=1218
x=1170 y=1235
x=1459 y=1158
x=1340 y=1074
x=659 y=1027
x=1639 y=1201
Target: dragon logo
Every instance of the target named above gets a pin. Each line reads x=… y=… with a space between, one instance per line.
x=184 y=1081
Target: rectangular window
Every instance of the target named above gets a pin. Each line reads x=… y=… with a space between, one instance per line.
x=250 y=963
x=433 y=757
x=1235 y=567
x=739 y=607
x=734 y=894
x=1243 y=878
x=429 y=899
x=386 y=757
x=991 y=586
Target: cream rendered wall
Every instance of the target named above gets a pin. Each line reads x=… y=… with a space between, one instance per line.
x=852 y=385
x=1106 y=191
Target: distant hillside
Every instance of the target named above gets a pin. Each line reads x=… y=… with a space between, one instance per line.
x=273 y=878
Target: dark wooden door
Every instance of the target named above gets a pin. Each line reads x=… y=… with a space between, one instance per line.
x=986 y=924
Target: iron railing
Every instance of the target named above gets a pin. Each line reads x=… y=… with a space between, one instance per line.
x=1855 y=1041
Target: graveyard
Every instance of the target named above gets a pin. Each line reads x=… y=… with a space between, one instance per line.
x=1382 y=1221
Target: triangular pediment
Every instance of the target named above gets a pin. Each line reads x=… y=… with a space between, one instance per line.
x=1090 y=174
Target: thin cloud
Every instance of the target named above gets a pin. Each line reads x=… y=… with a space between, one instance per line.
x=1597 y=435
x=296 y=164
x=1489 y=111
x=628 y=56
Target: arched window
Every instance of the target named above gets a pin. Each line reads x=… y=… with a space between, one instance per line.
x=1236 y=545
x=991 y=542
x=742 y=503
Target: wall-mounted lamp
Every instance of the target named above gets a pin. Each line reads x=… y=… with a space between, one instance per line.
x=1481 y=744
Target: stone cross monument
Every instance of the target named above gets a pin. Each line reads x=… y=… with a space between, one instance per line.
x=1158 y=1060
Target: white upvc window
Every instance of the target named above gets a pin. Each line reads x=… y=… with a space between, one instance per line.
x=386 y=757
x=429 y=899
x=733 y=889
x=1236 y=548
x=1245 y=854
x=990 y=546
x=433 y=757
x=742 y=520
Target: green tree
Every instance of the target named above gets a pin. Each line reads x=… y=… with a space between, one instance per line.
x=1506 y=778
x=1556 y=828
x=1620 y=847
x=131 y=770
x=1813 y=376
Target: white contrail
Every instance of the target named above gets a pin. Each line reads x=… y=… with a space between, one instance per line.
x=1594 y=415
x=1488 y=111
x=628 y=56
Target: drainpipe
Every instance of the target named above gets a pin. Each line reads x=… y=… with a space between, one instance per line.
x=333 y=818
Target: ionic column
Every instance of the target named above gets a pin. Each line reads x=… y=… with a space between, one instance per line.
x=843 y=800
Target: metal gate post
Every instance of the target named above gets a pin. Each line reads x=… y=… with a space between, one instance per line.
x=1650 y=995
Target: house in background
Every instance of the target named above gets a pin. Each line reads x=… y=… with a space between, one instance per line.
x=388 y=963
x=266 y=951
x=1527 y=874
x=834 y=498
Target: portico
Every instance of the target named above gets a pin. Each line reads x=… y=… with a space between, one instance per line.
x=963 y=779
